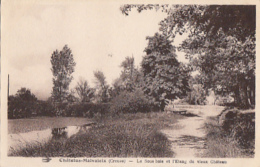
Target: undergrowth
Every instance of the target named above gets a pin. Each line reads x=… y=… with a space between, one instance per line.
x=236 y=141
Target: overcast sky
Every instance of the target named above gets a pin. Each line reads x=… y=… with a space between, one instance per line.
x=91 y=30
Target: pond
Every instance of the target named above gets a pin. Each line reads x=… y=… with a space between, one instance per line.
x=21 y=140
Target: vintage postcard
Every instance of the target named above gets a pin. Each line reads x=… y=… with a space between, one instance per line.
x=129 y=83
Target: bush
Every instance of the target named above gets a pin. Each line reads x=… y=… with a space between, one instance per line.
x=130 y=102
x=86 y=109
x=23 y=104
x=220 y=145
x=45 y=108
x=18 y=108
x=241 y=127
x=234 y=137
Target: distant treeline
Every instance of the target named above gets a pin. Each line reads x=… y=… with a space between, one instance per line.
x=126 y=102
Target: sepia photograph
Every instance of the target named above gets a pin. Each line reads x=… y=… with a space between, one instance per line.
x=90 y=80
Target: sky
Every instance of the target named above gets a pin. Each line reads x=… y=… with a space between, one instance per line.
x=91 y=30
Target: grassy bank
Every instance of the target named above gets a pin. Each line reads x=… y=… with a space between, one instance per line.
x=129 y=135
x=41 y=123
x=223 y=144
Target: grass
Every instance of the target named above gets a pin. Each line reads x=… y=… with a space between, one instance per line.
x=223 y=145
x=41 y=123
x=129 y=135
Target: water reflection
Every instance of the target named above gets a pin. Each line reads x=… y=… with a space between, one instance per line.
x=21 y=140
x=58 y=133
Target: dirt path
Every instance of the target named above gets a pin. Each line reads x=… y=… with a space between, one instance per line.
x=189 y=139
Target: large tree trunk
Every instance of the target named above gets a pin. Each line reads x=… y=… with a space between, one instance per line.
x=243 y=94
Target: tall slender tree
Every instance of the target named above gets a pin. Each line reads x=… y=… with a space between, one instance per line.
x=102 y=94
x=62 y=68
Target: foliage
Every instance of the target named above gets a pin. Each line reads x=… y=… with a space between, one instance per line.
x=87 y=109
x=164 y=77
x=25 y=95
x=79 y=109
x=241 y=127
x=221 y=43
x=230 y=69
x=130 y=75
x=233 y=19
x=45 y=108
x=117 y=87
x=197 y=95
x=84 y=92
x=23 y=104
x=220 y=145
x=130 y=102
x=71 y=98
x=130 y=78
x=102 y=94
x=224 y=40
x=235 y=138
x=62 y=68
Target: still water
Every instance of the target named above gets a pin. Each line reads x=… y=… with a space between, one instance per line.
x=21 y=140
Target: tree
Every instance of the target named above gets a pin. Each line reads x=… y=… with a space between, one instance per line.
x=221 y=43
x=25 y=95
x=129 y=80
x=164 y=77
x=127 y=75
x=101 y=87
x=62 y=68
x=84 y=92
x=130 y=77
x=197 y=95
x=22 y=104
x=208 y=19
x=230 y=69
x=71 y=98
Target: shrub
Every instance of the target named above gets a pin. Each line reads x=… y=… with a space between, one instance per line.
x=18 y=108
x=130 y=102
x=23 y=104
x=220 y=144
x=235 y=137
x=60 y=109
x=45 y=108
x=87 y=109
x=242 y=128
